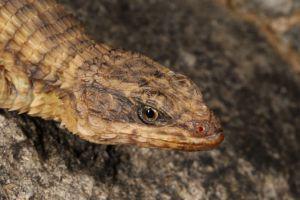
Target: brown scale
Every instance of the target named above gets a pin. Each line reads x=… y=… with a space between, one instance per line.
x=50 y=68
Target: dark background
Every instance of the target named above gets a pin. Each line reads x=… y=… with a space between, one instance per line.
x=245 y=79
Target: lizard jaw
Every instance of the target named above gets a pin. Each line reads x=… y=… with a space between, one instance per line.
x=167 y=138
x=193 y=144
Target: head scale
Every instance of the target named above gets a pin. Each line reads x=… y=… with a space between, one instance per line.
x=126 y=98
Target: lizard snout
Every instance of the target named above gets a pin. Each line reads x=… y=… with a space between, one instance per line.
x=205 y=128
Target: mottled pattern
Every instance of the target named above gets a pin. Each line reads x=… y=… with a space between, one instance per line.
x=51 y=69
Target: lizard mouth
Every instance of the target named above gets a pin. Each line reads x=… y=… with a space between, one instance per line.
x=206 y=143
x=169 y=138
x=215 y=139
x=185 y=144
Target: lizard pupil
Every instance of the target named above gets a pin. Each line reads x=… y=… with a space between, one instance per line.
x=150 y=113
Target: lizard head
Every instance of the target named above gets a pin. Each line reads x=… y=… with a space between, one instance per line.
x=126 y=98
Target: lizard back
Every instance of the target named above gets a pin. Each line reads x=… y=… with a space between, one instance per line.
x=41 y=47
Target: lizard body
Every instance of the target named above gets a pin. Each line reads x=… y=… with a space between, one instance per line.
x=51 y=69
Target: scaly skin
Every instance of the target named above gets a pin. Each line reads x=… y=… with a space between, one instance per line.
x=51 y=69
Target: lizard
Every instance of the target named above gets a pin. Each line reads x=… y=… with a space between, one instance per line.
x=51 y=68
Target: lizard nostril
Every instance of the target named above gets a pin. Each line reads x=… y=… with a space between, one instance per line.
x=201 y=129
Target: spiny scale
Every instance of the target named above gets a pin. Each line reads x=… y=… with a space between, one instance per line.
x=40 y=45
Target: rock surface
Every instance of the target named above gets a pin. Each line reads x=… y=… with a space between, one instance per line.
x=278 y=21
x=244 y=79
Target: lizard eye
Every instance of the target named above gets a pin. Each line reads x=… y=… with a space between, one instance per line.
x=148 y=114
